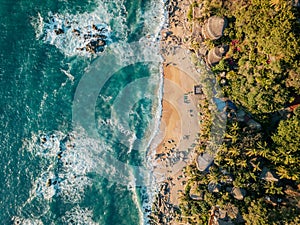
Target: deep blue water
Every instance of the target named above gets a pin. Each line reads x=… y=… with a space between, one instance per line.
x=40 y=143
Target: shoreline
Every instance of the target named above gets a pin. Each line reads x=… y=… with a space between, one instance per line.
x=196 y=27
x=179 y=117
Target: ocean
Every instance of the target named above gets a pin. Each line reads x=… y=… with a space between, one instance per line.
x=80 y=103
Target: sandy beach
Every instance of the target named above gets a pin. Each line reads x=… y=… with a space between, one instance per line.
x=177 y=138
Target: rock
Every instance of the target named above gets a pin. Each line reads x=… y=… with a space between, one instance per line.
x=195 y=194
x=222 y=214
x=223 y=75
x=223 y=222
x=223 y=81
x=213 y=187
x=292 y=192
x=228 y=189
x=253 y=124
x=219 y=217
x=100 y=49
x=238 y=193
x=268 y=175
x=240 y=115
x=93 y=43
x=170 y=9
x=165 y=33
x=59 y=31
x=232 y=211
x=48 y=183
x=101 y=42
x=17 y=220
x=95 y=27
x=204 y=161
x=198 y=13
x=87 y=36
x=182 y=155
x=202 y=51
x=76 y=32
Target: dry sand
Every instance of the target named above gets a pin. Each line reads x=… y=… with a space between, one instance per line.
x=178 y=129
x=179 y=125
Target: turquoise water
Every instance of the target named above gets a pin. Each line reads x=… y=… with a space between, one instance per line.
x=54 y=169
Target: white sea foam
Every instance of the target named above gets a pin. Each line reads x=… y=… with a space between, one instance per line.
x=42 y=104
x=21 y=221
x=67 y=162
x=72 y=33
x=68 y=74
x=75 y=34
x=38 y=25
x=79 y=216
x=154 y=18
x=152 y=185
x=156 y=15
x=43 y=186
x=68 y=159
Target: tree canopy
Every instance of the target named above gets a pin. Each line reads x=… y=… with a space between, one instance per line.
x=262 y=72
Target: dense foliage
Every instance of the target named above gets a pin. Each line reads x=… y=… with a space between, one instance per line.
x=265 y=48
x=263 y=61
x=242 y=163
x=262 y=70
x=286 y=150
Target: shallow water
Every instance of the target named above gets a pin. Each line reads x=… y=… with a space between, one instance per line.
x=100 y=176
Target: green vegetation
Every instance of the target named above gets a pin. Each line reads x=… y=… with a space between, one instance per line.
x=262 y=70
x=263 y=61
x=264 y=51
x=286 y=151
x=242 y=162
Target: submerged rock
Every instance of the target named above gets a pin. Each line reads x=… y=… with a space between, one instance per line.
x=73 y=34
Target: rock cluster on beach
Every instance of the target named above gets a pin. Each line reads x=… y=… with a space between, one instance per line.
x=164 y=211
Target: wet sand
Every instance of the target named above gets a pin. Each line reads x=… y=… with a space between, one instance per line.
x=174 y=144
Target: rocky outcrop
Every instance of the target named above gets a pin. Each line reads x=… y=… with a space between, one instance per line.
x=213 y=187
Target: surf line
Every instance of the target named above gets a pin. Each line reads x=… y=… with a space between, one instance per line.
x=114 y=124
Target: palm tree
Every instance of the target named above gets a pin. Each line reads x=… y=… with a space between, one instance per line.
x=242 y=163
x=234 y=151
x=272 y=189
x=230 y=161
x=263 y=149
x=213 y=177
x=233 y=136
x=251 y=152
x=277 y=4
x=234 y=127
x=256 y=166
